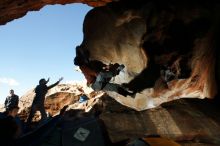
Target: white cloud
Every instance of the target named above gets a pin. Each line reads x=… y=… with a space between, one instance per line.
x=9 y=81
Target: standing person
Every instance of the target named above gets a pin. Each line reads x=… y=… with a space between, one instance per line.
x=10 y=125
x=11 y=101
x=11 y=109
x=38 y=102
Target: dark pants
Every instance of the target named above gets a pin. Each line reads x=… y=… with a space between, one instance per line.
x=34 y=108
x=101 y=83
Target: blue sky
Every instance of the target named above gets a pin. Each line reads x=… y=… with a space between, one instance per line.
x=40 y=45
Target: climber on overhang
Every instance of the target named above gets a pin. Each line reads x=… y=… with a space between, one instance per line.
x=99 y=79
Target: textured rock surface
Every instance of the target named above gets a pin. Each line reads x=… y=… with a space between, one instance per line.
x=150 y=38
x=146 y=37
x=153 y=39
x=11 y=9
x=58 y=97
x=187 y=121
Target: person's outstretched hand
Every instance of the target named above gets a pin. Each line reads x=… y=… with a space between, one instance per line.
x=48 y=80
x=60 y=79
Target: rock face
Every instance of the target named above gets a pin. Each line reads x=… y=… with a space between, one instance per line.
x=10 y=9
x=186 y=121
x=169 y=48
x=58 y=97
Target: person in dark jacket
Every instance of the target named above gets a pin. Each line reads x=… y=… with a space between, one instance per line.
x=11 y=101
x=10 y=125
x=38 y=102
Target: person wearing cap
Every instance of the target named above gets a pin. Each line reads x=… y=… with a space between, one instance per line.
x=11 y=101
x=38 y=102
